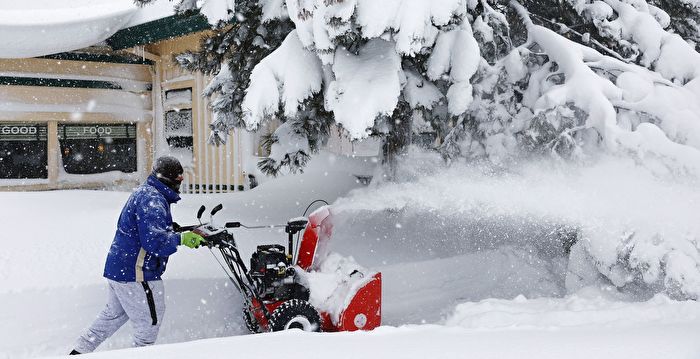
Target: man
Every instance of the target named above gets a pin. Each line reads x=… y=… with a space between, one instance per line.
x=137 y=259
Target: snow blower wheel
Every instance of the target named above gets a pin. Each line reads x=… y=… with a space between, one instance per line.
x=295 y=314
x=250 y=322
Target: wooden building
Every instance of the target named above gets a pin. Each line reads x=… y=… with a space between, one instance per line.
x=96 y=117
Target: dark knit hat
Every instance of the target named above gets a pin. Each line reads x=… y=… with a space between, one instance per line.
x=168 y=170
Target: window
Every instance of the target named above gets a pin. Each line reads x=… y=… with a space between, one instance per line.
x=88 y=149
x=23 y=151
x=178 y=129
x=178 y=121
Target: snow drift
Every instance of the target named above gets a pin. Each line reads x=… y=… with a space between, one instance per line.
x=614 y=222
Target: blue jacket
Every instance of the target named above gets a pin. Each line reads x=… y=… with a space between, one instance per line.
x=145 y=237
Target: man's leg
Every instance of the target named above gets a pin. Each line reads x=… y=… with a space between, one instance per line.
x=144 y=303
x=108 y=321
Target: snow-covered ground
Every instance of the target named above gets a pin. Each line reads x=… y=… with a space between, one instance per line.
x=451 y=298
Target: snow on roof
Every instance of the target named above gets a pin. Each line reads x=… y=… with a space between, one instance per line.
x=33 y=28
x=155 y=10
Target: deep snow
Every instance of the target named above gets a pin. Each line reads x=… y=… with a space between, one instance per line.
x=638 y=230
x=440 y=297
x=51 y=274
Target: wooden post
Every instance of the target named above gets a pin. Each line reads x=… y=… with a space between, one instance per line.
x=53 y=152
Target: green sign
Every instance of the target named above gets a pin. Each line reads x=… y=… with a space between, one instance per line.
x=22 y=132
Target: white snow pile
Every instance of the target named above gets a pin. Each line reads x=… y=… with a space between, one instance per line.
x=51 y=284
x=214 y=10
x=586 y=308
x=654 y=338
x=617 y=222
x=334 y=283
x=41 y=27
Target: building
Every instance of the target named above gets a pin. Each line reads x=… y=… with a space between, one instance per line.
x=95 y=117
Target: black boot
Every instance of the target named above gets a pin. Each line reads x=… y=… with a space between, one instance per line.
x=74 y=352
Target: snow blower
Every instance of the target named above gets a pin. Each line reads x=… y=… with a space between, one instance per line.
x=302 y=286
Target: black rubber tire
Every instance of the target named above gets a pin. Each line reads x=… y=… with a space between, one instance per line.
x=295 y=313
x=250 y=322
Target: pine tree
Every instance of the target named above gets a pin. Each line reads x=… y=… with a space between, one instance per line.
x=481 y=79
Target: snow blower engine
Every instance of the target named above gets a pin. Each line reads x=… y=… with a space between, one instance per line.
x=302 y=286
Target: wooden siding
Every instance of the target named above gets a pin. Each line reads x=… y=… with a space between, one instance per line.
x=55 y=105
x=215 y=169
x=140 y=100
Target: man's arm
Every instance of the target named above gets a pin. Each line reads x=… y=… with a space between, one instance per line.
x=156 y=238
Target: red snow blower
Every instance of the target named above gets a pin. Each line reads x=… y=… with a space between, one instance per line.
x=279 y=287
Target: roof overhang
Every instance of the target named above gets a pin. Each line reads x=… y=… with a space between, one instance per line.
x=158 y=30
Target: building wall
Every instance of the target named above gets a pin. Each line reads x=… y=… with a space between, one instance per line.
x=214 y=168
x=33 y=102
x=137 y=97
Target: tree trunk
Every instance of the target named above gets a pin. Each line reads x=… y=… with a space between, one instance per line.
x=396 y=141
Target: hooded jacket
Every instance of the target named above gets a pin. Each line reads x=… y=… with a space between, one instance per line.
x=145 y=237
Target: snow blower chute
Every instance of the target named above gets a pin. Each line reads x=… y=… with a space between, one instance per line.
x=312 y=289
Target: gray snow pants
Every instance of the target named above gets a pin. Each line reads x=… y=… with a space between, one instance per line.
x=141 y=302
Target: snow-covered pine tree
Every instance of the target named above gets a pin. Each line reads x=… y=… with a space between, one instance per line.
x=494 y=80
x=240 y=41
x=319 y=74
x=375 y=76
x=486 y=80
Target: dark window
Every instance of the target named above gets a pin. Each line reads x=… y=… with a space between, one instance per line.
x=178 y=129
x=88 y=149
x=23 y=151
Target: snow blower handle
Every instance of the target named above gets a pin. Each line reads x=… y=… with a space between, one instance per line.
x=294 y=226
x=179 y=229
x=213 y=236
x=233 y=224
x=200 y=212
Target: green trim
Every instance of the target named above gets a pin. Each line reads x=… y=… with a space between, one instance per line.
x=33 y=81
x=90 y=57
x=162 y=29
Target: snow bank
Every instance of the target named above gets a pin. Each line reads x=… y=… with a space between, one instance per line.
x=51 y=285
x=56 y=242
x=588 y=308
x=650 y=339
x=425 y=290
x=635 y=230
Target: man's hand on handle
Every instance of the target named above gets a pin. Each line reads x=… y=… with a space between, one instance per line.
x=191 y=239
